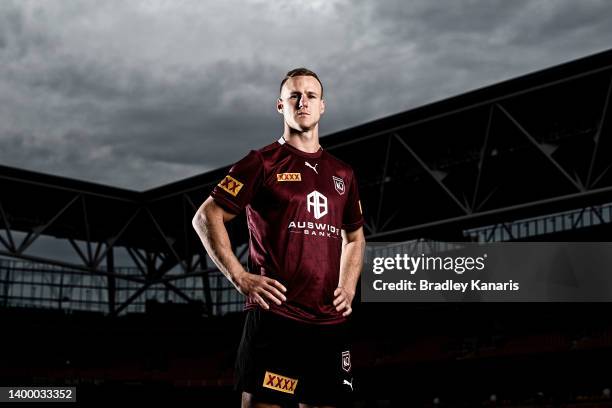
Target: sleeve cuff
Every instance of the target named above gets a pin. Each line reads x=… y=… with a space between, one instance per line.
x=226 y=204
x=353 y=226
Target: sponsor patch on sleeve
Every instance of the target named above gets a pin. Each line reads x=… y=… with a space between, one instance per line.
x=231 y=185
x=289 y=177
x=279 y=383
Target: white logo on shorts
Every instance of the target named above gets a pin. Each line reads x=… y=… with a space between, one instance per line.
x=346 y=361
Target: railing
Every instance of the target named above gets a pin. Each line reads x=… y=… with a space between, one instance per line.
x=37 y=285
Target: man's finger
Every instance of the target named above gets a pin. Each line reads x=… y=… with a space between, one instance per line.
x=348 y=311
x=341 y=306
x=276 y=292
x=260 y=301
x=271 y=296
x=276 y=283
x=339 y=299
x=337 y=291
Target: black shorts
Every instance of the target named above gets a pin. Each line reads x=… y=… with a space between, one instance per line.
x=283 y=361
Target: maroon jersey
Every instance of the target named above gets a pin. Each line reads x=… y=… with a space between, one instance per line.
x=296 y=205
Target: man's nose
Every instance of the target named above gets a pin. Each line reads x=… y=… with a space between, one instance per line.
x=302 y=101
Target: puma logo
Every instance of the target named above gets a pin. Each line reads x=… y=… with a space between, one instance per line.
x=314 y=168
x=350 y=384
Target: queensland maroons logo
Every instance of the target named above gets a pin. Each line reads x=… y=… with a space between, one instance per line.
x=338 y=184
x=346 y=361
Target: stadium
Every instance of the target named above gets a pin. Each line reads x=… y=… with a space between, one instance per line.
x=129 y=307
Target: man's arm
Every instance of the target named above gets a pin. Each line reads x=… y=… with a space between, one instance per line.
x=351 y=262
x=209 y=223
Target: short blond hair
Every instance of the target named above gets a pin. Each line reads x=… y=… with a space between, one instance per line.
x=300 y=72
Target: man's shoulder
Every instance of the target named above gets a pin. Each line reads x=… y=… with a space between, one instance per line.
x=260 y=155
x=269 y=148
x=270 y=153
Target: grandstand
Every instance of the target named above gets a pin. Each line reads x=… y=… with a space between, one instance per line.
x=110 y=290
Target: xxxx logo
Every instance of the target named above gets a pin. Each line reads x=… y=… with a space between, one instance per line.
x=289 y=177
x=279 y=383
x=231 y=185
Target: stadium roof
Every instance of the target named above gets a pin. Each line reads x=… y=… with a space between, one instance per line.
x=526 y=146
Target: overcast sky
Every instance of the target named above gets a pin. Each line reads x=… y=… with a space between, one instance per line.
x=137 y=94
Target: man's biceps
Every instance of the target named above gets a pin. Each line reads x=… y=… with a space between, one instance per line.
x=227 y=216
x=212 y=208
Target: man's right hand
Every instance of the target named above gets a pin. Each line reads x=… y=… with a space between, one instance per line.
x=259 y=288
x=209 y=222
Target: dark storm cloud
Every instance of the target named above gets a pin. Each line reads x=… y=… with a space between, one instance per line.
x=203 y=117
x=139 y=94
x=423 y=51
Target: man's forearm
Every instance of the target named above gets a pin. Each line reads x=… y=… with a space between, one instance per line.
x=209 y=223
x=351 y=263
x=216 y=241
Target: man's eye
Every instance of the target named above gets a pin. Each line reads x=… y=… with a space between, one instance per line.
x=293 y=96
x=312 y=96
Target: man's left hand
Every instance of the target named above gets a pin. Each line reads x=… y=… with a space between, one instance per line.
x=343 y=299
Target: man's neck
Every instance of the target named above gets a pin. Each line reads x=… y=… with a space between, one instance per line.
x=305 y=141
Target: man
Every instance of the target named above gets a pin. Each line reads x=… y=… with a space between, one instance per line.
x=305 y=255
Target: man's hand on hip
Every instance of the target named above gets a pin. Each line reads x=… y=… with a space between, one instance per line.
x=260 y=288
x=343 y=300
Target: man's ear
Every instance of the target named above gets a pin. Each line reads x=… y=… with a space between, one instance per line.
x=279 y=105
x=322 y=106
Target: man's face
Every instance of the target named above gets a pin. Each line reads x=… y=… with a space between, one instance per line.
x=300 y=102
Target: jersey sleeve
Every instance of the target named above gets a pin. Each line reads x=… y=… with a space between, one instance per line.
x=352 y=217
x=238 y=187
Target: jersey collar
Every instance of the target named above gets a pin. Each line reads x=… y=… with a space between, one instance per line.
x=299 y=152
